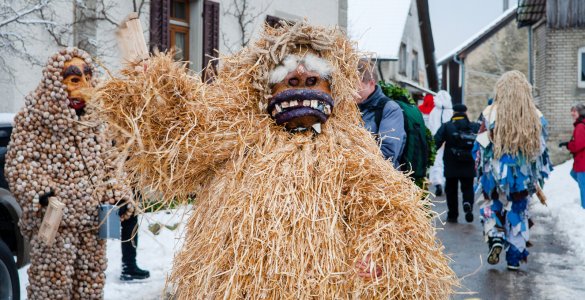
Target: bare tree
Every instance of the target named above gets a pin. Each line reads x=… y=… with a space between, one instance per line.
x=12 y=20
x=18 y=19
x=245 y=17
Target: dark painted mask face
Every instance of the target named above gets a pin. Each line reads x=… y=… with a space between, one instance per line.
x=302 y=100
x=77 y=76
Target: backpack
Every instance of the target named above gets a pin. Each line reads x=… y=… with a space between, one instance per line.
x=416 y=153
x=463 y=140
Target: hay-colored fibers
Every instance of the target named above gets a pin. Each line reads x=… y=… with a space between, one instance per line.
x=278 y=215
x=518 y=127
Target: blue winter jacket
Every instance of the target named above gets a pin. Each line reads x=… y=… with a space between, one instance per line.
x=391 y=131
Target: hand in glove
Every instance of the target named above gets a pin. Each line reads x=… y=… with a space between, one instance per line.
x=563 y=144
x=44 y=199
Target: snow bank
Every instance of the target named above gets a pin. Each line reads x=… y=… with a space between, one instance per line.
x=564 y=206
x=155 y=254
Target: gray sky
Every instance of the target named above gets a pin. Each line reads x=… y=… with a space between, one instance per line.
x=455 y=21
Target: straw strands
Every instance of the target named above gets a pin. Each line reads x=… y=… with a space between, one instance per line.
x=278 y=215
x=518 y=127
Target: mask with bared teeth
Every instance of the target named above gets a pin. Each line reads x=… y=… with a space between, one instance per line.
x=301 y=92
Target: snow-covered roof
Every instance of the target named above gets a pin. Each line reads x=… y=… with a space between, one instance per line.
x=486 y=30
x=378 y=25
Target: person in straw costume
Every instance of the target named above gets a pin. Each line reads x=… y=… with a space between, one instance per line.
x=58 y=150
x=294 y=199
x=513 y=162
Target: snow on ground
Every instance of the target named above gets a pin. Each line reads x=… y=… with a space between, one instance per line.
x=156 y=252
x=564 y=205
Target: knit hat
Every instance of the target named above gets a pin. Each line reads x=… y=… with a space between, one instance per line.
x=460 y=108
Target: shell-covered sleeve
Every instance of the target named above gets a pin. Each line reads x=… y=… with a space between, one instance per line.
x=27 y=178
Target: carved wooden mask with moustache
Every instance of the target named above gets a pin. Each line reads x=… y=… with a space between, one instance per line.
x=301 y=92
x=77 y=76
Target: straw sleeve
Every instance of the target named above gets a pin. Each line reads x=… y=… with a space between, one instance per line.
x=390 y=227
x=173 y=129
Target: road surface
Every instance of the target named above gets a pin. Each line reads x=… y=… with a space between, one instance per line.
x=552 y=271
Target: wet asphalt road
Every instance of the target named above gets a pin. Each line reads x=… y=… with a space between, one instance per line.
x=552 y=272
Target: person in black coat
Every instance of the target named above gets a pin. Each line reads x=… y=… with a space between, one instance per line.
x=458 y=135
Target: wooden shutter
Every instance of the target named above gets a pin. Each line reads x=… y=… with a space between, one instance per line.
x=160 y=11
x=210 y=36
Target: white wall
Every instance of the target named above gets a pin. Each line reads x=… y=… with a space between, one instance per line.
x=411 y=37
x=323 y=12
x=40 y=45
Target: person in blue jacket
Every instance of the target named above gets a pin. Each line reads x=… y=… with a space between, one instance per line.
x=390 y=132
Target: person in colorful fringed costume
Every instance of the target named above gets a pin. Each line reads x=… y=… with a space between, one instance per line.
x=512 y=164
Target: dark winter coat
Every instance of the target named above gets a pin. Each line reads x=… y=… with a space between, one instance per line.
x=577 y=146
x=455 y=167
x=391 y=130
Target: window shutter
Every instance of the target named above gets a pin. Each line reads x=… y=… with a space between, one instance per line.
x=210 y=36
x=160 y=11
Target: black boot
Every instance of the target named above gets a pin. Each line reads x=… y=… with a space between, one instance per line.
x=130 y=271
x=438 y=190
x=133 y=272
x=467 y=208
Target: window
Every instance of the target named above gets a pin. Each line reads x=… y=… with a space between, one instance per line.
x=581 y=68
x=179 y=28
x=414 y=74
x=402 y=59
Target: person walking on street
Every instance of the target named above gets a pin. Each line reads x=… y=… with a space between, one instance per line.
x=458 y=135
x=577 y=147
x=512 y=164
x=390 y=131
x=441 y=113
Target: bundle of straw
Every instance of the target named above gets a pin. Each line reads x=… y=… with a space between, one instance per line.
x=278 y=215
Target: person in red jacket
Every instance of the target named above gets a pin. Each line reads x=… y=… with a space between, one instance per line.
x=577 y=147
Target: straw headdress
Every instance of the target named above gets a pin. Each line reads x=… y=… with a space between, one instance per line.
x=518 y=128
x=278 y=215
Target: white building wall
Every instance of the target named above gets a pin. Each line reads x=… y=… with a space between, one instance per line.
x=39 y=44
x=323 y=12
x=411 y=37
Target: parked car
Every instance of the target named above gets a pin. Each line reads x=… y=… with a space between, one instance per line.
x=12 y=243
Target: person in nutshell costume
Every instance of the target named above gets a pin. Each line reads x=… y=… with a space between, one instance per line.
x=58 y=149
x=294 y=199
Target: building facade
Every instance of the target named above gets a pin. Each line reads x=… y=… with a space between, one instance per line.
x=470 y=71
x=414 y=65
x=558 y=58
x=199 y=30
x=400 y=42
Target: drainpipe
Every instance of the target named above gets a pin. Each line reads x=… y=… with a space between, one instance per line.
x=530 y=62
x=380 y=70
x=460 y=62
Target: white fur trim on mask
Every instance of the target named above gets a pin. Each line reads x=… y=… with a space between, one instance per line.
x=291 y=62
x=317 y=64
